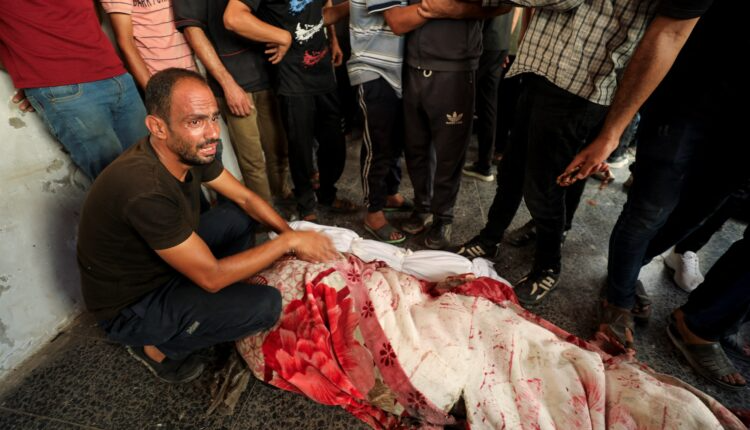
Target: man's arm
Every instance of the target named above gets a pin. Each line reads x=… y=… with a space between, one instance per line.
x=455 y=9
x=652 y=59
x=240 y=19
x=337 y=55
x=238 y=100
x=122 y=24
x=404 y=19
x=556 y=5
x=332 y=14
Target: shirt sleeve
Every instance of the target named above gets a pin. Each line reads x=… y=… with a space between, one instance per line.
x=252 y=4
x=555 y=5
x=683 y=9
x=374 y=6
x=118 y=6
x=158 y=220
x=190 y=13
x=212 y=171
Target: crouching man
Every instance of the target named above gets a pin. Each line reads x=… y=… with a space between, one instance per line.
x=162 y=278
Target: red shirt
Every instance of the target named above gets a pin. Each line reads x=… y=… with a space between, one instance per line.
x=52 y=43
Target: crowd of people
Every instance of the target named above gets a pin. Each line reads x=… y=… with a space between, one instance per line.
x=554 y=84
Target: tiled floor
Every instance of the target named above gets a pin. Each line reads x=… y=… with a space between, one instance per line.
x=82 y=381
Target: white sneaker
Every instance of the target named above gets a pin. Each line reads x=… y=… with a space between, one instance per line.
x=687 y=270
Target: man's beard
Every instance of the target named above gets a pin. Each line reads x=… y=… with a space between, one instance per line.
x=189 y=156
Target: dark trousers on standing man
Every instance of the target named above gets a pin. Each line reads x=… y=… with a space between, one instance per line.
x=310 y=118
x=550 y=127
x=438 y=112
x=181 y=317
x=382 y=118
x=489 y=74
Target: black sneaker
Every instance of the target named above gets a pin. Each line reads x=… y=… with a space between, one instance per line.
x=172 y=371
x=476 y=172
x=532 y=288
x=476 y=248
x=523 y=235
x=416 y=223
x=439 y=235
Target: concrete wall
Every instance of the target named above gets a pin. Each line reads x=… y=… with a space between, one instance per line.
x=41 y=193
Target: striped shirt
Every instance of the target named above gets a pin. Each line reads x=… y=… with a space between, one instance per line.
x=376 y=51
x=158 y=42
x=580 y=50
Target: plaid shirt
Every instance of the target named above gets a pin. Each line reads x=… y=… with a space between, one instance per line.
x=580 y=49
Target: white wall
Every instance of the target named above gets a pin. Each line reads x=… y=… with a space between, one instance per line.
x=41 y=193
x=40 y=196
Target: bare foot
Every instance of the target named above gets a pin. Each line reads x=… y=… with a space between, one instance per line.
x=394 y=201
x=692 y=339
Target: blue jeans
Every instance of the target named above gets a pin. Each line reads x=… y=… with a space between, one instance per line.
x=685 y=168
x=94 y=121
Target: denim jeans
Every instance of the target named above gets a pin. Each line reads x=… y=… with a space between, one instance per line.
x=685 y=169
x=94 y=121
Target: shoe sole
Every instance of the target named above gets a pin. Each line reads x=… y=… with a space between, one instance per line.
x=479 y=176
x=198 y=371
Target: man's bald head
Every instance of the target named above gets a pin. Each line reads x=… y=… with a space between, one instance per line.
x=160 y=87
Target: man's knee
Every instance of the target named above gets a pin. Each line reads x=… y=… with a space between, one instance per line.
x=254 y=308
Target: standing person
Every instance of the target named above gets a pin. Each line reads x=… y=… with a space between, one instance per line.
x=238 y=77
x=495 y=46
x=305 y=83
x=66 y=69
x=567 y=86
x=162 y=278
x=687 y=160
x=147 y=37
x=375 y=71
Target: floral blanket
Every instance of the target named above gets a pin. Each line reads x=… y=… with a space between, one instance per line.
x=399 y=352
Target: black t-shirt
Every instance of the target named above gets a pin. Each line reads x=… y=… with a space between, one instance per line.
x=243 y=58
x=306 y=68
x=706 y=77
x=134 y=207
x=448 y=45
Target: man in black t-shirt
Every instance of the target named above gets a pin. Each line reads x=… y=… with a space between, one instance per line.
x=238 y=77
x=294 y=32
x=160 y=277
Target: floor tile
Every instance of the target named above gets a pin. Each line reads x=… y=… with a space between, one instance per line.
x=10 y=420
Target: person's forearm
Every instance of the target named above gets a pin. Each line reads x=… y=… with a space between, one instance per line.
x=652 y=59
x=402 y=20
x=206 y=53
x=239 y=19
x=334 y=14
x=123 y=28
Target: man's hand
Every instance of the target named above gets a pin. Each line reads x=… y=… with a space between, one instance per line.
x=590 y=160
x=277 y=51
x=436 y=9
x=240 y=102
x=337 y=55
x=23 y=103
x=312 y=246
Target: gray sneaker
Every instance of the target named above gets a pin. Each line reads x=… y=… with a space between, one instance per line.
x=416 y=223
x=172 y=371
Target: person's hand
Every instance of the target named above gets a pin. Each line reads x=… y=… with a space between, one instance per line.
x=590 y=160
x=277 y=51
x=337 y=55
x=23 y=103
x=436 y=9
x=313 y=246
x=240 y=102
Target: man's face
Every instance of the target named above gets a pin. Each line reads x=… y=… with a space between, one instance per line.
x=194 y=123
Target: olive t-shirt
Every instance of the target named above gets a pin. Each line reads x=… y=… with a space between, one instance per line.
x=134 y=207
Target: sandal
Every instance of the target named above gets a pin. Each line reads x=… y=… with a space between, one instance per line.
x=642 y=309
x=341 y=206
x=709 y=360
x=617 y=325
x=406 y=206
x=385 y=233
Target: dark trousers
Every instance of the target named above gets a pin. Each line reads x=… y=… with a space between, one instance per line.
x=382 y=116
x=507 y=99
x=438 y=112
x=308 y=119
x=181 y=317
x=550 y=127
x=685 y=168
x=489 y=74
x=722 y=301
